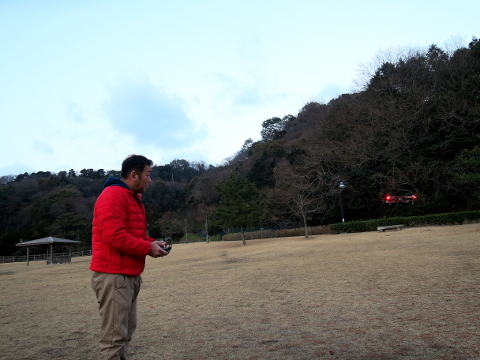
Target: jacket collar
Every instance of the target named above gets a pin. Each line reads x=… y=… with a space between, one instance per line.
x=114 y=181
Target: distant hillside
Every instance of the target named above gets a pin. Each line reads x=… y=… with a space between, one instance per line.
x=413 y=128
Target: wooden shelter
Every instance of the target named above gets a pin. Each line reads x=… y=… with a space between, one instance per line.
x=50 y=241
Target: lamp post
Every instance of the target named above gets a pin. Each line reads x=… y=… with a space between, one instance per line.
x=341 y=186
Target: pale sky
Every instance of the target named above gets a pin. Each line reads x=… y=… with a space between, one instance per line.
x=83 y=84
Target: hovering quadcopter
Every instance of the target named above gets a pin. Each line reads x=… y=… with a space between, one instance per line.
x=391 y=199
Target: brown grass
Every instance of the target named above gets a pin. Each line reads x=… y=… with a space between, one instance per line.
x=411 y=294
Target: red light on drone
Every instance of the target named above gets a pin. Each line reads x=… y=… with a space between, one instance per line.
x=391 y=199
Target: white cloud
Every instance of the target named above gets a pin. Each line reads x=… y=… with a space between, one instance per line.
x=15 y=169
x=74 y=111
x=43 y=147
x=151 y=115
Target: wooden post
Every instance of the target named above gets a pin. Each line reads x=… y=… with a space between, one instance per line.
x=51 y=253
x=70 y=254
x=186 y=233
x=206 y=228
x=28 y=255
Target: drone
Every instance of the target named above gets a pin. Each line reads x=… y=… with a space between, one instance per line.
x=392 y=199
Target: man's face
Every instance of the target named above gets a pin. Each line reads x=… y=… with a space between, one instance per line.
x=142 y=179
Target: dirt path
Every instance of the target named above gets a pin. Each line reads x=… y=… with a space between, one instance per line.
x=411 y=294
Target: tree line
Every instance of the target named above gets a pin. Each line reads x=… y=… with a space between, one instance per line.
x=412 y=127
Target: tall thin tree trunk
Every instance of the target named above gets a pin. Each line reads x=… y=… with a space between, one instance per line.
x=243 y=236
x=305 y=225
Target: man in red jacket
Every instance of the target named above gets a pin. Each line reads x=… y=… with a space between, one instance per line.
x=119 y=247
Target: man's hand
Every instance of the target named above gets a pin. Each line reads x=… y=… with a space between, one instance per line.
x=156 y=249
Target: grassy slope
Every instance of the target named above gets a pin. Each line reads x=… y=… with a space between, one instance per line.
x=404 y=294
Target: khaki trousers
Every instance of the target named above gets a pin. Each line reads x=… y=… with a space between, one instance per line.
x=117 y=299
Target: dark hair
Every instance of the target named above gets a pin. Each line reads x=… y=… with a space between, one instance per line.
x=134 y=163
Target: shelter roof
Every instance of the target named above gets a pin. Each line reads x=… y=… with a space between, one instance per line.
x=48 y=240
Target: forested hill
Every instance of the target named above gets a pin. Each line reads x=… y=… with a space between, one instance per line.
x=413 y=128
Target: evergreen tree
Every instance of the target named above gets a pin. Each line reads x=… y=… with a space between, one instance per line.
x=240 y=204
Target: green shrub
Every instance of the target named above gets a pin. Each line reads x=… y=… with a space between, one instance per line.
x=425 y=220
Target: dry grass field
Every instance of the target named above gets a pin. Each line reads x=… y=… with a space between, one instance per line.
x=411 y=294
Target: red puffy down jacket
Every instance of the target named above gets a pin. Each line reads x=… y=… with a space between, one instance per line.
x=119 y=239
